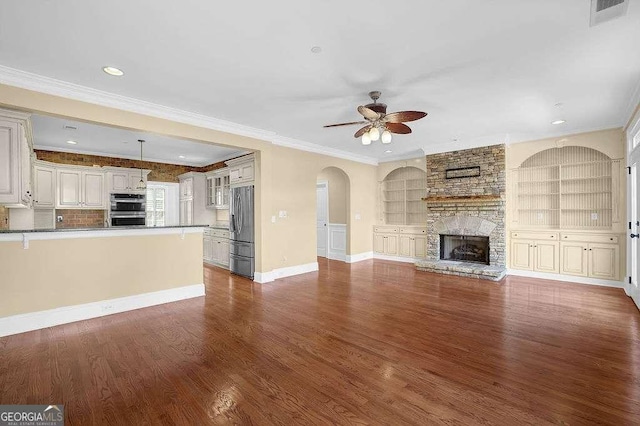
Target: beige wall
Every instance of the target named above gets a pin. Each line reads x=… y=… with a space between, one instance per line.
x=285 y=178
x=55 y=273
x=338 y=193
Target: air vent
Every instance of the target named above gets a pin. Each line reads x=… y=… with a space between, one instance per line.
x=606 y=10
x=68 y=127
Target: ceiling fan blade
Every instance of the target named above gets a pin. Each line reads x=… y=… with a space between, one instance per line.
x=363 y=131
x=399 y=128
x=367 y=113
x=346 y=124
x=404 y=116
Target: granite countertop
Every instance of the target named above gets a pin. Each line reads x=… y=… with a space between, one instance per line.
x=114 y=228
x=220 y=226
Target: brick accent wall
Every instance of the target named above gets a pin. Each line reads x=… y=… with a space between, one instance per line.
x=472 y=198
x=160 y=172
x=72 y=218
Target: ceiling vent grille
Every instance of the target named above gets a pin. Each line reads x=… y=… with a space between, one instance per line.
x=606 y=10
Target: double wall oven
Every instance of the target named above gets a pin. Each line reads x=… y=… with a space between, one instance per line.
x=128 y=209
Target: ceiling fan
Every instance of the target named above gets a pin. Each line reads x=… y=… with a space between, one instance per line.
x=379 y=124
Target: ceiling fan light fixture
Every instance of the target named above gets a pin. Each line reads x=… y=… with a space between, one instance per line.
x=366 y=139
x=374 y=134
x=386 y=137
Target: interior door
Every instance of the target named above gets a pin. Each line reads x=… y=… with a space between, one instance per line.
x=634 y=232
x=322 y=217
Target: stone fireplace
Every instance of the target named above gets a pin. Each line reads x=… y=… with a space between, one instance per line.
x=466 y=215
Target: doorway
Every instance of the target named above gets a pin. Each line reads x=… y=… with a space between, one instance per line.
x=322 y=217
x=633 y=247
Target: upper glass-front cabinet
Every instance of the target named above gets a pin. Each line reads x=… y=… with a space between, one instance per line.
x=218 y=185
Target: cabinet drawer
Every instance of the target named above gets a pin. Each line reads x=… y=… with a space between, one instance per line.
x=386 y=229
x=207 y=232
x=220 y=233
x=415 y=231
x=591 y=238
x=549 y=236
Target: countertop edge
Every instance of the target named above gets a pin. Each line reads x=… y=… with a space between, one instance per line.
x=53 y=234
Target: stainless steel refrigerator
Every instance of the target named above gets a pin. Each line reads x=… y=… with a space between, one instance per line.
x=241 y=232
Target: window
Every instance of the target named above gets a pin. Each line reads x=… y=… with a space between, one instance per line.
x=156 y=206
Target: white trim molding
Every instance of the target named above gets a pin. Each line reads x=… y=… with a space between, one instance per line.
x=289 y=271
x=567 y=278
x=337 y=248
x=394 y=258
x=353 y=258
x=42 y=319
x=51 y=86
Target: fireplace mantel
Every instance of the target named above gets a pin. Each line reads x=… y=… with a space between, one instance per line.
x=464 y=198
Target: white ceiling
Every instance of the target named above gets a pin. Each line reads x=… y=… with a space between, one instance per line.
x=486 y=71
x=49 y=133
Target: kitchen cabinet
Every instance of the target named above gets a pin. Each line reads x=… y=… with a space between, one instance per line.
x=241 y=170
x=16 y=157
x=124 y=179
x=535 y=251
x=80 y=188
x=44 y=186
x=192 y=199
x=216 y=247
x=592 y=255
x=218 y=187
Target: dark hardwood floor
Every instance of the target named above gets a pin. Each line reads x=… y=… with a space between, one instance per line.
x=370 y=343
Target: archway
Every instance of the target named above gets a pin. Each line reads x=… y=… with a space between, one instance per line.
x=332 y=213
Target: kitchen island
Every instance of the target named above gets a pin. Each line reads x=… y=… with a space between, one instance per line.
x=58 y=276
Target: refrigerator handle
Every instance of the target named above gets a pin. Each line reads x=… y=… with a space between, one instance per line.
x=232 y=223
x=240 y=215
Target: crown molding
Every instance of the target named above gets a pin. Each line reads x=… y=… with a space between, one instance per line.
x=319 y=149
x=634 y=105
x=51 y=86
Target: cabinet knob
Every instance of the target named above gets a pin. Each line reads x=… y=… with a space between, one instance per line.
x=585 y=249
x=589 y=249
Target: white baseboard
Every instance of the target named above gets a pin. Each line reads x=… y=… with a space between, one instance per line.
x=337 y=256
x=567 y=278
x=42 y=319
x=289 y=271
x=394 y=258
x=353 y=258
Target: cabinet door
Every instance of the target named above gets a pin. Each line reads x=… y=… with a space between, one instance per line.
x=604 y=261
x=206 y=248
x=25 y=167
x=9 y=162
x=224 y=253
x=246 y=171
x=215 y=250
x=522 y=254
x=119 y=181
x=188 y=187
x=574 y=259
x=547 y=258
x=378 y=243
x=134 y=180
x=420 y=247
x=235 y=174
x=45 y=187
x=391 y=246
x=69 y=187
x=188 y=212
x=406 y=246
x=93 y=190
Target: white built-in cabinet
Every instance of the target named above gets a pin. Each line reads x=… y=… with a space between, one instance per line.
x=80 y=188
x=402 y=241
x=192 y=200
x=590 y=255
x=16 y=157
x=218 y=185
x=45 y=186
x=216 y=247
x=124 y=179
x=532 y=251
x=241 y=170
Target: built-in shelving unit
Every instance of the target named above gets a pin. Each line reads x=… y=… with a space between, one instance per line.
x=566 y=188
x=402 y=192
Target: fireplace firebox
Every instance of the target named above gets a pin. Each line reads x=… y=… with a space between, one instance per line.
x=464 y=248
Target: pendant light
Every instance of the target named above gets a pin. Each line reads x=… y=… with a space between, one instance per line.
x=386 y=137
x=141 y=185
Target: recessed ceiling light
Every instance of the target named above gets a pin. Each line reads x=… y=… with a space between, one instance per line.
x=316 y=49
x=558 y=105
x=558 y=122
x=72 y=142
x=113 y=71
x=181 y=156
x=388 y=151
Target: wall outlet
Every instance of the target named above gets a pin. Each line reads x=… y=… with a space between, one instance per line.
x=282 y=213
x=594 y=216
x=358 y=217
x=273 y=219
x=59 y=219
